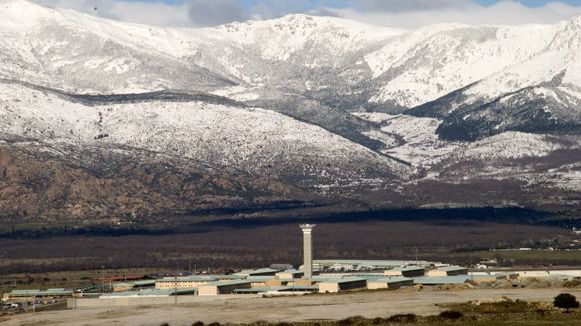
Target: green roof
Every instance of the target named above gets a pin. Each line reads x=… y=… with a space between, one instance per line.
x=408 y=268
x=143 y=282
x=192 y=278
x=148 y=293
x=259 y=271
x=260 y=278
x=229 y=283
x=39 y=293
x=345 y=280
x=394 y=263
x=277 y=289
x=294 y=271
x=452 y=268
x=395 y=279
x=458 y=279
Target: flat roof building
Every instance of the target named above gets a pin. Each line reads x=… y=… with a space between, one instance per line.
x=258 y=272
x=408 y=271
x=277 y=289
x=151 y=293
x=442 y=280
x=290 y=274
x=184 y=282
x=394 y=282
x=364 y=265
x=258 y=281
x=224 y=287
x=342 y=284
x=193 y=281
x=35 y=293
x=448 y=271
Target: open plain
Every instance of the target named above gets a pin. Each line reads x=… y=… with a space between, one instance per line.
x=241 y=309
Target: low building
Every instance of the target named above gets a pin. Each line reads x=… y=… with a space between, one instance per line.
x=282 y=267
x=148 y=293
x=120 y=287
x=184 y=282
x=126 y=286
x=448 y=271
x=258 y=272
x=30 y=295
x=194 y=281
x=365 y=265
x=394 y=282
x=223 y=287
x=304 y=282
x=259 y=281
x=443 y=280
x=342 y=284
x=277 y=289
x=408 y=271
x=290 y=274
x=490 y=278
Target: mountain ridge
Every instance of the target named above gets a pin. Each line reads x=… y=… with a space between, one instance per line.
x=301 y=108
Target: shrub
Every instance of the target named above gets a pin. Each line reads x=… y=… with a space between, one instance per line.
x=450 y=315
x=566 y=301
x=402 y=318
x=351 y=321
x=198 y=323
x=574 y=283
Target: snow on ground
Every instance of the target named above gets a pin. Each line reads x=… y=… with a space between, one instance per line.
x=422 y=148
x=570 y=180
x=280 y=39
x=510 y=145
x=419 y=143
x=249 y=139
x=437 y=60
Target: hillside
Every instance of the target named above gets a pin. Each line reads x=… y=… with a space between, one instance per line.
x=105 y=120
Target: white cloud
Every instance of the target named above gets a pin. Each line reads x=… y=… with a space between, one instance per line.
x=394 y=13
x=503 y=13
x=215 y=12
x=152 y=13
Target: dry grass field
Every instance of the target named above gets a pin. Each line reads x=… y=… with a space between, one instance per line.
x=251 y=245
x=321 y=309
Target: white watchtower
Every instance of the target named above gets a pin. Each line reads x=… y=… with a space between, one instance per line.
x=307 y=249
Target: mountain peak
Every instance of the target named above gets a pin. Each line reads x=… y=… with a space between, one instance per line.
x=297 y=23
x=22 y=14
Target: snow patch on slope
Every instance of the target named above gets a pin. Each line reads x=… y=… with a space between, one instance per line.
x=431 y=62
x=251 y=140
x=418 y=142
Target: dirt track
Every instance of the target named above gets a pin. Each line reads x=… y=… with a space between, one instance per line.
x=368 y=304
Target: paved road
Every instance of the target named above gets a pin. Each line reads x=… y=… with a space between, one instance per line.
x=368 y=304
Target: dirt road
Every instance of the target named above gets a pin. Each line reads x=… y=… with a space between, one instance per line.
x=316 y=307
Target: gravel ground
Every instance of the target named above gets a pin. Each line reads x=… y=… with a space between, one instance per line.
x=313 y=307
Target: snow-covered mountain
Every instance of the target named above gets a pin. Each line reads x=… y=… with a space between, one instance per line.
x=294 y=108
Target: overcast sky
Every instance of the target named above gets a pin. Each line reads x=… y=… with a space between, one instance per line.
x=395 y=13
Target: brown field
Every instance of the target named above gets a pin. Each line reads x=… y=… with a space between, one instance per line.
x=240 y=246
x=309 y=308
